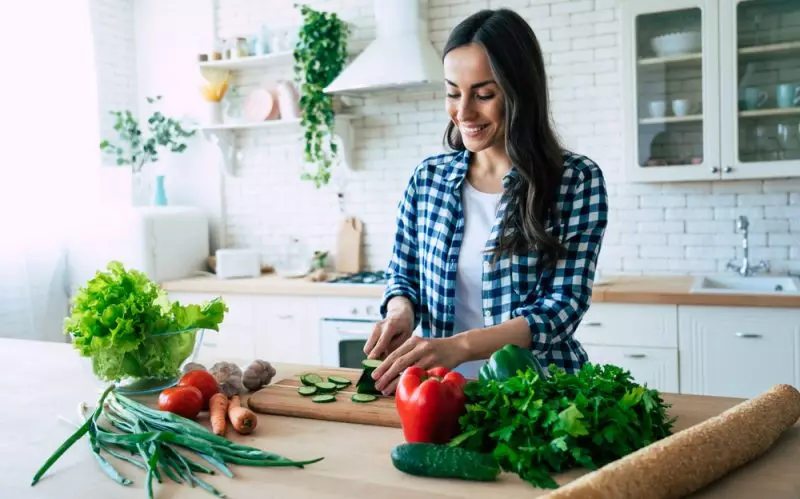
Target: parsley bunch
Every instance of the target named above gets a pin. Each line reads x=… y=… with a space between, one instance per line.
x=535 y=427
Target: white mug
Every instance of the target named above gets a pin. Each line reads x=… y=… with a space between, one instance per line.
x=658 y=108
x=681 y=107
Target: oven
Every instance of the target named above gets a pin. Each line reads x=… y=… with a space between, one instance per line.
x=343 y=341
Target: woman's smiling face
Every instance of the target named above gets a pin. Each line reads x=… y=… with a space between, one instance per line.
x=474 y=99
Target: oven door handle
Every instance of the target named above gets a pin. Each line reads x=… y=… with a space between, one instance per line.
x=349 y=332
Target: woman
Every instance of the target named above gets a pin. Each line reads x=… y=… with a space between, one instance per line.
x=496 y=242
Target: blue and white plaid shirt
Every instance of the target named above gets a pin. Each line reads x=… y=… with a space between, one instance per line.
x=430 y=227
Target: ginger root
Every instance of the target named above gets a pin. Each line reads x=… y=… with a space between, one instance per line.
x=259 y=373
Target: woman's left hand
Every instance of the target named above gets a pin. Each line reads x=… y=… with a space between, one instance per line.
x=423 y=352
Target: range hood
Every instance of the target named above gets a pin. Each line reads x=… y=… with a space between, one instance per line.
x=401 y=56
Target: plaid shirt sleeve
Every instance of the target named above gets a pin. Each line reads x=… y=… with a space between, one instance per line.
x=403 y=269
x=554 y=315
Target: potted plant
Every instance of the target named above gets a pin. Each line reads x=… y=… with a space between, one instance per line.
x=320 y=55
x=132 y=149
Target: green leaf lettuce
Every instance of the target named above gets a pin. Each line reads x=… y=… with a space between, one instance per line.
x=119 y=318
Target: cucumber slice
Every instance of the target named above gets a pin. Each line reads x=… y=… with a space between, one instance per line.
x=311 y=379
x=371 y=363
x=362 y=398
x=325 y=387
x=340 y=387
x=307 y=390
x=339 y=380
x=324 y=398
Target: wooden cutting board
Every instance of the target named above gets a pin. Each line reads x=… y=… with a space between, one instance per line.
x=281 y=399
x=348 y=246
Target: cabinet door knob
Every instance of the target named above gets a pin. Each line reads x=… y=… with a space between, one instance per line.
x=728 y=169
x=635 y=355
x=748 y=335
x=715 y=169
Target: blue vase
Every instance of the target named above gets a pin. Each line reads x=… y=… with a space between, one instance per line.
x=160 y=197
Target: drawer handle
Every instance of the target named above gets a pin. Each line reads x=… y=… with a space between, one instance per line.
x=285 y=316
x=209 y=344
x=593 y=324
x=748 y=335
x=635 y=355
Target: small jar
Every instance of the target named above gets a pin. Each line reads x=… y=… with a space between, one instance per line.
x=239 y=48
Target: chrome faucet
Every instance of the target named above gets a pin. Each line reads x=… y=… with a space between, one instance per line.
x=745 y=269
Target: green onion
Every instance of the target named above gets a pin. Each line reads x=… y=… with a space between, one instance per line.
x=156 y=437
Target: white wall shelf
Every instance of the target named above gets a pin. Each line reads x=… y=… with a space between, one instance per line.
x=251 y=62
x=224 y=137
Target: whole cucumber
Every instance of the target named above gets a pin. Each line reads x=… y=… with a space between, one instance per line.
x=443 y=461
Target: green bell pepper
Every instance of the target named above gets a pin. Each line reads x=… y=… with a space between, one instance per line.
x=504 y=364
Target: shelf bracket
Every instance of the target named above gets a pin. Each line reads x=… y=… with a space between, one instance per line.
x=343 y=137
x=225 y=142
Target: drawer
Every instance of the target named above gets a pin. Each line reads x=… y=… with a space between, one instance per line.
x=629 y=325
x=656 y=367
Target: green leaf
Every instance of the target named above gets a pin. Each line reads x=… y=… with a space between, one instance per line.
x=569 y=421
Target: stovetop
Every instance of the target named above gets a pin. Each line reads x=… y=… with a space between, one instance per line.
x=365 y=277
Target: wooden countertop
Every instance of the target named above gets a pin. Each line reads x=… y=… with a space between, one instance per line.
x=674 y=290
x=48 y=380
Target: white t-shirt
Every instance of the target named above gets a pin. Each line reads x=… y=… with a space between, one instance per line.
x=480 y=211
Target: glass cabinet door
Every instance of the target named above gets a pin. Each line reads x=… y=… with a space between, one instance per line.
x=761 y=104
x=672 y=119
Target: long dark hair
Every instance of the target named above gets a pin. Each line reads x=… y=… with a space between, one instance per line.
x=518 y=66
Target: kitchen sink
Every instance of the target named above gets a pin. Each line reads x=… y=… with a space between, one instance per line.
x=757 y=284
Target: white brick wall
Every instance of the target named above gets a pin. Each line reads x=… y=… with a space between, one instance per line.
x=115 y=53
x=668 y=228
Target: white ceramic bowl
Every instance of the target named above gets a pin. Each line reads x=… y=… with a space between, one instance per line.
x=684 y=42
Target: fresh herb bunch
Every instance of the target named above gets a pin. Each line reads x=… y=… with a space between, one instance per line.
x=535 y=427
x=118 y=318
x=319 y=56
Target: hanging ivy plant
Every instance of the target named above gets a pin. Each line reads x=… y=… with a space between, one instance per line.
x=319 y=55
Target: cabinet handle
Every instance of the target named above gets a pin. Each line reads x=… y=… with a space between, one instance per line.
x=715 y=169
x=207 y=344
x=592 y=324
x=728 y=169
x=285 y=316
x=748 y=335
x=635 y=355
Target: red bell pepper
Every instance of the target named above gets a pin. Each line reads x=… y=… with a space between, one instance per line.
x=429 y=404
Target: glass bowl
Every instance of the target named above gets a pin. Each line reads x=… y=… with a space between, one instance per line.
x=142 y=385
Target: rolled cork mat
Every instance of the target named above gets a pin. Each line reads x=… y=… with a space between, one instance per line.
x=689 y=460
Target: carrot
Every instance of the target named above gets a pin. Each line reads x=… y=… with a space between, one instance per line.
x=217 y=408
x=242 y=419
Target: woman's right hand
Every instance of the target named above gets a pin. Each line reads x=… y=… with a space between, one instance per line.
x=391 y=332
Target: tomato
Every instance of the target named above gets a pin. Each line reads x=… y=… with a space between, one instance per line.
x=203 y=381
x=185 y=401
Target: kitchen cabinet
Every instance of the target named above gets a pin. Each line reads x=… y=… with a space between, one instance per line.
x=641 y=338
x=288 y=330
x=737 y=351
x=711 y=89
